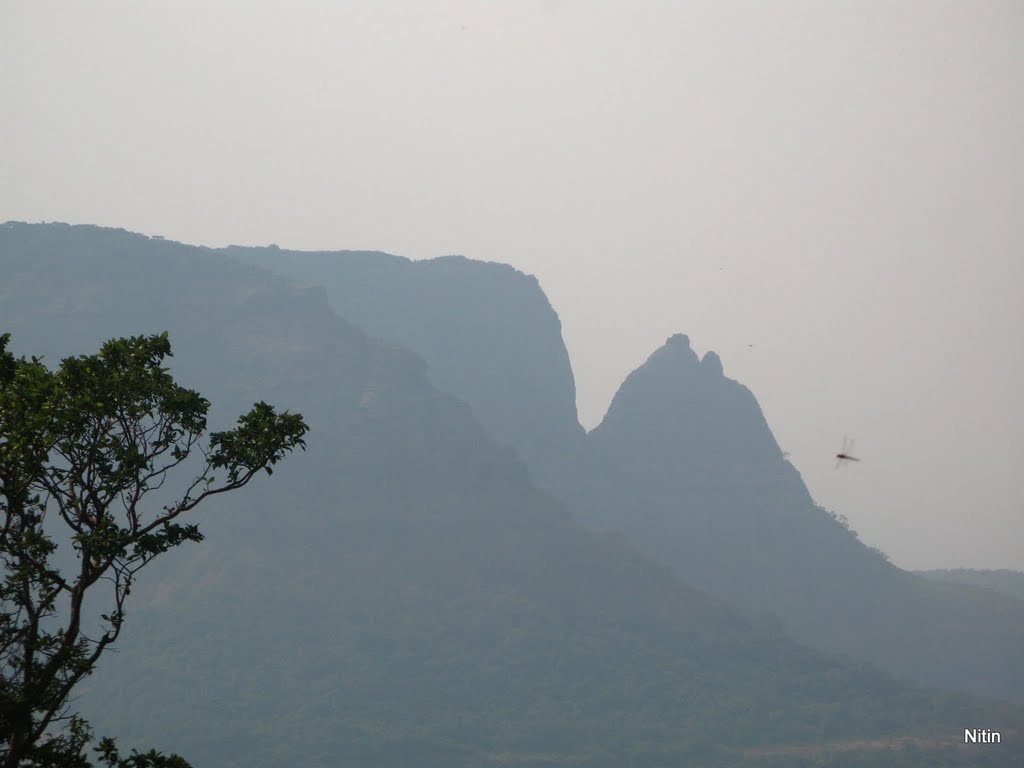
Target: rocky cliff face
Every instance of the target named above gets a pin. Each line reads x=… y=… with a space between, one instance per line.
x=486 y=331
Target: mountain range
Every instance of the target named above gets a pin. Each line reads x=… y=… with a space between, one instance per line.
x=456 y=574
x=684 y=464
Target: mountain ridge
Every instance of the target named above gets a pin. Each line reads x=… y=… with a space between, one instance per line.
x=402 y=591
x=750 y=532
x=1002 y=580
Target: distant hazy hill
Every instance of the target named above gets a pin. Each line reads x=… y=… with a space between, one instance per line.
x=684 y=464
x=1005 y=582
x=401 y=594
x=709 y=493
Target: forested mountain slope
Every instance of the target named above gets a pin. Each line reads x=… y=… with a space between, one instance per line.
x=684 y=464
x=401 y=594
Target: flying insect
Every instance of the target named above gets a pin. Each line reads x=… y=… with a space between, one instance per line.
x=846 y=454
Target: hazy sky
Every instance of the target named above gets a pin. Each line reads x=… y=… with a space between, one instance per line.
x=839 y=184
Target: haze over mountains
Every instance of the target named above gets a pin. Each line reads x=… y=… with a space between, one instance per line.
x=683 y=463
x=457 y=574
x=1006 y=582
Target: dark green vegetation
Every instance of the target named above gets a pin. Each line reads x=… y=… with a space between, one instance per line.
x=402 y=594
x=683 y=464
x=81 y=448
x=1005 y=582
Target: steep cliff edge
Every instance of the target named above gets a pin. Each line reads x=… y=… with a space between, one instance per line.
x=486 y=331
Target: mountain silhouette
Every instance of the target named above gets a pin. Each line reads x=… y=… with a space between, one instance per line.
x=403 y=593
x=684 y=464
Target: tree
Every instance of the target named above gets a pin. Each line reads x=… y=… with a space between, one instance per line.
x=80 y=449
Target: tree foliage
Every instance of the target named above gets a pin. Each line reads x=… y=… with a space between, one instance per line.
x=81 y=447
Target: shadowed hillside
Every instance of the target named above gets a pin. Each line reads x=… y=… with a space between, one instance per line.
x=401 y=594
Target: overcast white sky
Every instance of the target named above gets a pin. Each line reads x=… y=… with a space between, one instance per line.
x=839 y=184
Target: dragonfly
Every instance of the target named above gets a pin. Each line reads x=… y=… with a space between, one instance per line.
x=846 y=454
